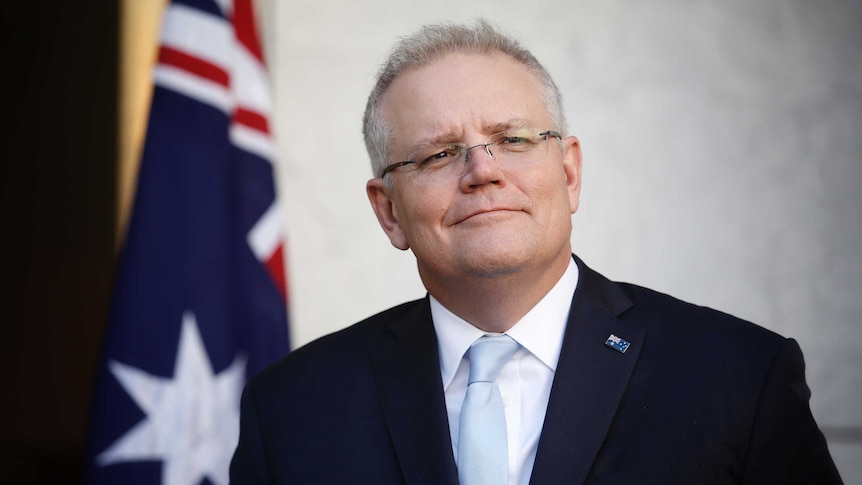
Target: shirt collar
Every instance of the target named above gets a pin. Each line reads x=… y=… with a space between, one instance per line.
x=540 y=331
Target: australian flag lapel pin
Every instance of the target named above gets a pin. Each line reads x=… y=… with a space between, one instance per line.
x=617 y=343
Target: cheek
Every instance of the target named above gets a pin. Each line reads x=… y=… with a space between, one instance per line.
x=552 y=195
x=421 y=211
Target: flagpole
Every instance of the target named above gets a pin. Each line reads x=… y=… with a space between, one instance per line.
x=139 y=32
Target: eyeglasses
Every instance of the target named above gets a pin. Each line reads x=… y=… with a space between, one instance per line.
x=510 y=148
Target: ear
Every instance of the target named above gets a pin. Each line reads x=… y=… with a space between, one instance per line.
x=379 y=194
x=572 y=168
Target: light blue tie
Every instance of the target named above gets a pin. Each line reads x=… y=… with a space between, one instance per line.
x=483 y=457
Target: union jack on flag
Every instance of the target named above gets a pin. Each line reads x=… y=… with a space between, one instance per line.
x=200 y=298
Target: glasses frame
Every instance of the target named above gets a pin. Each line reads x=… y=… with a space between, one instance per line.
x=392 y=167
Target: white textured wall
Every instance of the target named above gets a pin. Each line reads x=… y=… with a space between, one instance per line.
x=722 y=161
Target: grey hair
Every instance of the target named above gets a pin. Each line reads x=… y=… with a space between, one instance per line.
x=430 y=43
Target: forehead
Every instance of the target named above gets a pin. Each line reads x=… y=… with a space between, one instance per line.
x=461 y=94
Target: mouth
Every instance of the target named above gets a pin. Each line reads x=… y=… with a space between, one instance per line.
x=483 y=214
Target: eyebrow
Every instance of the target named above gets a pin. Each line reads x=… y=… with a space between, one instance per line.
x=435 y=141
x=507 y=125
x=450 y=137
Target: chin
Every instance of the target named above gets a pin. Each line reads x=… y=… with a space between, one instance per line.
x=492 y=264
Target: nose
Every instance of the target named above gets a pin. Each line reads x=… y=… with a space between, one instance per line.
x=486 y=146
x=480 y=168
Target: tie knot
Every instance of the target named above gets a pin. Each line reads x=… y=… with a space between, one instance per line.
x=488 y=355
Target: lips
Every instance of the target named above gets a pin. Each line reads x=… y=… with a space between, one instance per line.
x=481 y=212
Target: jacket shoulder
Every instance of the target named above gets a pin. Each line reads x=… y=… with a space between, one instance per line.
x=662 y=313
x=665 y=313
x=349 y=346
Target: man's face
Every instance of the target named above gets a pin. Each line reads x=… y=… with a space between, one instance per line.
x=491 y=221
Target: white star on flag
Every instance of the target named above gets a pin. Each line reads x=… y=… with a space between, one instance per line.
x=192 y=421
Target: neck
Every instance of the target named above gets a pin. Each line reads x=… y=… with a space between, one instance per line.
x=495 y=303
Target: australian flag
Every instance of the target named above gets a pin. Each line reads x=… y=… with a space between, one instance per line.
x=199 y=301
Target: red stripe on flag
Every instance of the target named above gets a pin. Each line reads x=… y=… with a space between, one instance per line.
x=275 y=267
x=194 y=65
x=252 y=119
x=243 y=25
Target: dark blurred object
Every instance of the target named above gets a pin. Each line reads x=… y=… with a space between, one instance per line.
x=39 y=465
x=57 y=221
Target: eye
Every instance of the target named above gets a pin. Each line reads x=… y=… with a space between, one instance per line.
x=517 y=141
x=437 y=156
x=514 y=140
x=440 y=156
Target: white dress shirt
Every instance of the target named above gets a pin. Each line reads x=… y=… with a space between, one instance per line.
x=525 y=381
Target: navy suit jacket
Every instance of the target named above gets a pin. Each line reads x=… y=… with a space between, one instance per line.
x=698 y=397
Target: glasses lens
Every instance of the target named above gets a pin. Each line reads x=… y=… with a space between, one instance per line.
x=432 y=164
x=511 y=148
x=518 y=147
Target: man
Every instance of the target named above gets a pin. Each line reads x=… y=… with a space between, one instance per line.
x=597 y=382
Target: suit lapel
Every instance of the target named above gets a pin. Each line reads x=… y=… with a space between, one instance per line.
x=407 y=370
x=589 y=382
